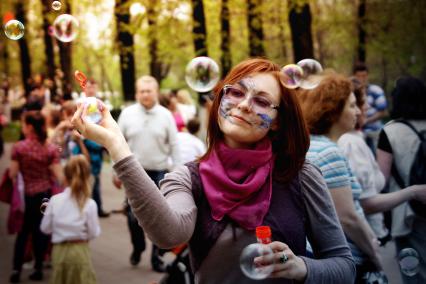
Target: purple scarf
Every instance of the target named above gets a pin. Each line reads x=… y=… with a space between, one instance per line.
x=238 y=183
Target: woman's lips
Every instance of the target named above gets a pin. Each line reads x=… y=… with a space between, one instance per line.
x=239 y=118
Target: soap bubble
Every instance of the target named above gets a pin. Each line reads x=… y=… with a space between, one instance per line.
x=293 y=74
x=56 y=5
x=409 y=261
x=311 y=73
x=65 y=28
x=202 y=74
x=93 y=114
x=14 y=29
x=43 y=206
x=257 y=261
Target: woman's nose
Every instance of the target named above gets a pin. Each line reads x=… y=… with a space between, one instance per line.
x=358 y=111
x=245 y=104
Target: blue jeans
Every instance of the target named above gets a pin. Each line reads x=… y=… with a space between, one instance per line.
x=96 y=192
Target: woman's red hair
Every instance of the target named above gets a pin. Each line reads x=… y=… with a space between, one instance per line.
x=290 y=141
x=323 y=105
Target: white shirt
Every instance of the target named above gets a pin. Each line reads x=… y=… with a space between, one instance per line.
x=190 y=147
x=151 y=135
x=367 y=171
x=64 y=220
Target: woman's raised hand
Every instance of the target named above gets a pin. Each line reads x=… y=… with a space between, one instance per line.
x=107 y=133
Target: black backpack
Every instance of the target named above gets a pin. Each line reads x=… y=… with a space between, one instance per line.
x=417 y=171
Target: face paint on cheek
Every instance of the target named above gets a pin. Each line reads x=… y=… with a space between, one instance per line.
x=266 y=121
x=225 y=107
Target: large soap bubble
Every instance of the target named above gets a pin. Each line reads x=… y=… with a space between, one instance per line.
x=93 y=114
x=14 y=29
x=257 y=261
x=312 y=70
x=65 y=28
x=293 y=74
x=202 y=74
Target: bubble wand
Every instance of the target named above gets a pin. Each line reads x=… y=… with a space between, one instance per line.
x=81 y=79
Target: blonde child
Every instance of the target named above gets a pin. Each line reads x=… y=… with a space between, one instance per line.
x=72 y=219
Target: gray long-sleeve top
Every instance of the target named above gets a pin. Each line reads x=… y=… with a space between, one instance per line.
x=169 y=216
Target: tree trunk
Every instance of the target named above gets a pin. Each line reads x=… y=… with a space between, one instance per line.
x=362 y=35
x=23 y=48
x=254 y=13
x=301 y=35
x=4 y=57
x=199 y=28
x=126 y=49
x=225 y=45
x=48 y=43
x=65 y=59
x=158 y=69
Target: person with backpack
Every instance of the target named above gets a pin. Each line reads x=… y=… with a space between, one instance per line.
x=401 y=157
x=254 y=173
x=369 y=175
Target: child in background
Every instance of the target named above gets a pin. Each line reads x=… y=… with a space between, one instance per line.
x=72 y=219
x=190 y=146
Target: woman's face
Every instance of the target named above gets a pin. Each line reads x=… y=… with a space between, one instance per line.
x=349 y=115
x=362 y=117
x=25 y=128
x=249 y=110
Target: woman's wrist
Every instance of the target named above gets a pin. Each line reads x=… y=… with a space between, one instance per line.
x=118 y=149
x=302 y=271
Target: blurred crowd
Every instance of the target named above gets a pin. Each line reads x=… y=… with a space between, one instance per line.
x=363 y=141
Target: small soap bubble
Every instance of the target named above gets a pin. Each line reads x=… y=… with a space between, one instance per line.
x=409 y=261
x=293 y=74
x=65 y=28
x=43 y=206
x=312 y=70
x=257 y=261
x=14 y=29
x=202 y=74
x=93 y=114
x=56 y=5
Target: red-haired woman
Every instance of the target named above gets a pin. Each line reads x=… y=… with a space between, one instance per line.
x=36 y=160
x=330 y=111
x=254 y=173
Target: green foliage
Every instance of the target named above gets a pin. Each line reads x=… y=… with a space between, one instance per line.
x=12 y=131
x=396 y=41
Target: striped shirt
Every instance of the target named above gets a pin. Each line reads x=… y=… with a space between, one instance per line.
x=337 y=173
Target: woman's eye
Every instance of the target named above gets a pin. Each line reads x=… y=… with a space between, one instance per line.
x=236 y=93
x=261 y=102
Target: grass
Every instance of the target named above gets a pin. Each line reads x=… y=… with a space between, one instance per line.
x=12 y=131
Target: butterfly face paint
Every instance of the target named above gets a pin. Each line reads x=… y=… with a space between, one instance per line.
x=260 y=104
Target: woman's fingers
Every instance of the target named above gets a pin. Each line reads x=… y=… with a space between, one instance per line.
x=278 y=246
x=77 y=119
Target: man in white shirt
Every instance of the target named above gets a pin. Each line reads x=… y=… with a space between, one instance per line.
x=150 y=131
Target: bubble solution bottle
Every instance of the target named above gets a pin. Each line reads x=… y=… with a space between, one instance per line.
x=257 y=259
